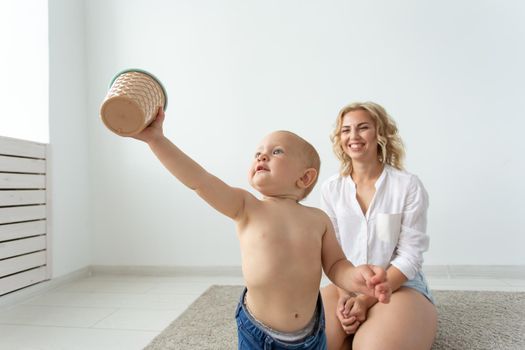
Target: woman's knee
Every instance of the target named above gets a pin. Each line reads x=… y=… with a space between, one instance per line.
x=409 y=321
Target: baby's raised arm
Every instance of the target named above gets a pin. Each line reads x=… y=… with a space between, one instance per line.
x=224 y=198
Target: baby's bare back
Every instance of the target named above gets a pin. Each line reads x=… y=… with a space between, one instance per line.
x=281 y=245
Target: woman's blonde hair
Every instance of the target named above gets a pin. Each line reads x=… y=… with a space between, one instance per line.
x=390 y=148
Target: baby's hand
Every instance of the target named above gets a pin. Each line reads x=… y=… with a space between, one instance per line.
x=376 y=284
x=154 y=130
x=351 y=312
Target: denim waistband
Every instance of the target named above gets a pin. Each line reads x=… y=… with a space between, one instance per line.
x=264 y=336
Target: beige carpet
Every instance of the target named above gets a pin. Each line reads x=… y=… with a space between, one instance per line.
x=467 y=320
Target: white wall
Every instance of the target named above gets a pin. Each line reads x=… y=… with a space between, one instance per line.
x=70 y=217
x=451 y=73
x=24 y=60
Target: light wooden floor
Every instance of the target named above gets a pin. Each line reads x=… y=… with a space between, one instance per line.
x=127 y=312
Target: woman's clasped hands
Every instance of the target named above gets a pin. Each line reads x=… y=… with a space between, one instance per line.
x=352 y=310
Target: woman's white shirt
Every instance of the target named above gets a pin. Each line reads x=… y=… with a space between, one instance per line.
x=393 y=231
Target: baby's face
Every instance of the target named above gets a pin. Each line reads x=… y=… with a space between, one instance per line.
x=277 y=164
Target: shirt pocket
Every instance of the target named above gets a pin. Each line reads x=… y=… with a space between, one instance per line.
x=388 y=227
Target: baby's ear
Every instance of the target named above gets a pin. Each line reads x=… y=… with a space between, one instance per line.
x=307 y=179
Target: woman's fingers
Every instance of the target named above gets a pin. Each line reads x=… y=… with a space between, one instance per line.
x=341 y=304
x=348 y=306
x=159 y=118
x=351 y=329
x=383 y=292
x=359 y=312
x=346 y=322
x=379 y=274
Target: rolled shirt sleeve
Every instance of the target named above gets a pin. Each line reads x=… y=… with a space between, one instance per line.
x=413 y=240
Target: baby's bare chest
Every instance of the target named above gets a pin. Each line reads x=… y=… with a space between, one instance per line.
x=285 y=228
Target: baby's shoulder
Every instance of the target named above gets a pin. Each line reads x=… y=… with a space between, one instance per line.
x=315 y=213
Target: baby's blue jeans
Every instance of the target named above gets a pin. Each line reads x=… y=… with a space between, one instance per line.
x=252 y=337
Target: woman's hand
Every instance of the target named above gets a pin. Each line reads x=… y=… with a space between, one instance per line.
x=352 y=311
x=371 y=280
x=154 y=130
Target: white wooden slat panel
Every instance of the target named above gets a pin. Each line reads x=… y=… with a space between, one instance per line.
x=21 y=280
x=24 y=197
x=22 y=229
x=17 y=214
x=22 y=148
x=23 y=226
x=22 y=165
x=22 y=246
x=21 y=263
x=9 y=181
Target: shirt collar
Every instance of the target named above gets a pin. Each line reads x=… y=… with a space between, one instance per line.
x=380 y=180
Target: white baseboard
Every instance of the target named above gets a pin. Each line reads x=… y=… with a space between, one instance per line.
x=432 y=271
x=234 y=271
x=436 y=271
x=39 y=288
x=475 y=271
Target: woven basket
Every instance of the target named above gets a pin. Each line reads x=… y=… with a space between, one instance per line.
x=132 y=102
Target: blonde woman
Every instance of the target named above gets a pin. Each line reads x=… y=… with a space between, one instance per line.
x=379 y=212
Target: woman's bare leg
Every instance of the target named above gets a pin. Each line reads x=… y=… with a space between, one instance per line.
x=335 y=336
x=408 y=322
